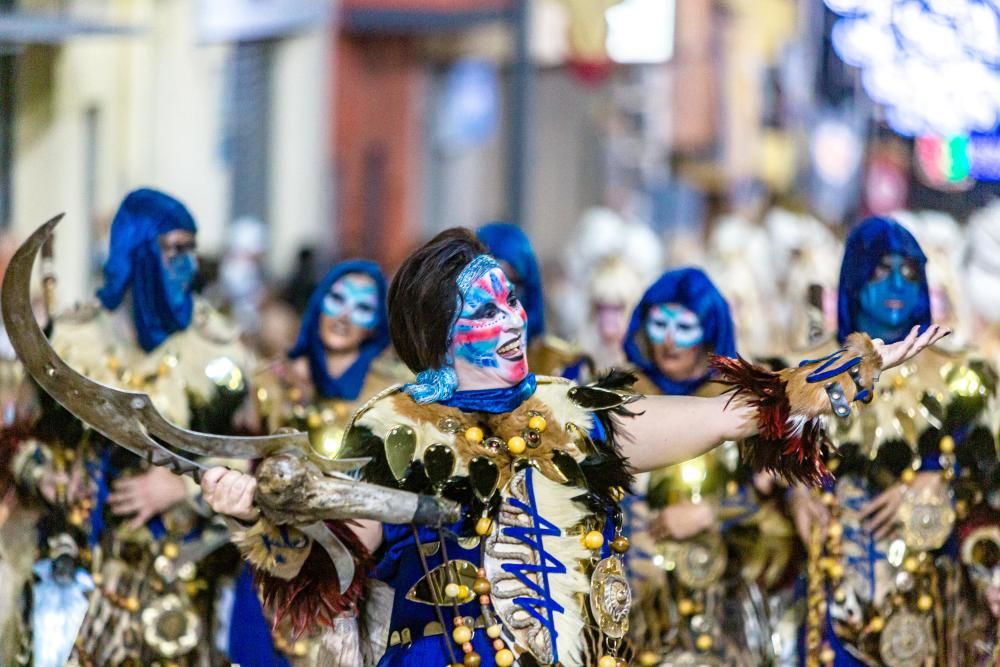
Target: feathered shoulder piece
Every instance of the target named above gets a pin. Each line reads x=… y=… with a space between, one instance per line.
x=566 y=431
x=791 y=402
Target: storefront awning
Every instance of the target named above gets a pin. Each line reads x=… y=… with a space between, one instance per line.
x=23 y=28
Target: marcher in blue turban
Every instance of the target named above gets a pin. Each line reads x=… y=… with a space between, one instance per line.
x=142 y=260
x=693 y=290
x=509 y=244
x=310 y=341
x=883 y=282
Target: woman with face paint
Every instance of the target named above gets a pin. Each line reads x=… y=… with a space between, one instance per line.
x=547 y=354
x=881 y=538
x=533 y=572
x=702 y=510
x=111 y=524
x=339 y=362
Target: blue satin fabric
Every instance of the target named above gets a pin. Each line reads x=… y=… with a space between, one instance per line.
x=866 y=245
x=134 y=263
x=494 y=401
x=309 y=344
x=508 y=243
x=694 y=290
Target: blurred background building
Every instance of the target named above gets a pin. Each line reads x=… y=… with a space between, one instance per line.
x=360 y=127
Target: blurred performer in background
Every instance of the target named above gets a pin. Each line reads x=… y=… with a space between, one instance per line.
x=709 y=525
x=921 y=458
x=615 y=260
x=547 y=354
x=981 y=262
x=112 y=582
x=339 y=361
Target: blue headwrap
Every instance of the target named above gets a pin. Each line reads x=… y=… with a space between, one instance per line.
x=694 y=290
x=134 y=262
x=309 y=344
x=867 y=244
x=508 y=243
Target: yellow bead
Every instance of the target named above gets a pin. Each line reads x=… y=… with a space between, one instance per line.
x=836 y=571
x=704 y=642
x=607 y=661
x=484 y=526
x=648 y=659
x=908 y=475
x=828 y=498
x=132 y=604
x=836 y=530
x=620 y=544
x=839 y=596
x=462 y=634
x=463 y=592
x=827 y=656
x=472 y=659
x=925 y=602
x=593 y=540
x=493 y=631
x=537 y=423
x=516 y=445
x=314 y=420
x=474 y=434
x=170 y=550
x=504 y=658
x=481 y=586
x=947 y=445
x=876 y=624
x=685 y=607
x=451 y=590
x=911 y=564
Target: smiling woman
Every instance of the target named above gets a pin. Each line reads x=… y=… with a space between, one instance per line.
x=534 y=571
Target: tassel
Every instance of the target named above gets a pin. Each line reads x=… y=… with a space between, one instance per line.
x=788 y=445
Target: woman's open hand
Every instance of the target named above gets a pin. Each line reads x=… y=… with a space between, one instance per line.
x=915 y=342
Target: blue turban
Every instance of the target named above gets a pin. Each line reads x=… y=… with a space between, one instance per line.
x=694 y=290
x=508 y=243
x=309 y=344
x=867 y=244
x=134 y=262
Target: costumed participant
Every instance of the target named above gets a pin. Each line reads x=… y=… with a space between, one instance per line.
x=615 y=260
x=717 y=537
x=109 y=586
x=548 y=354
x=806 y=258
x=981 y=279
x=740 y=262
x=886 y=571
x=339 y=361
x=533 y=572
x=942 y=240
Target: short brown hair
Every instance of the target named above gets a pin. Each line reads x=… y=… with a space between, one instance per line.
x=423 y=297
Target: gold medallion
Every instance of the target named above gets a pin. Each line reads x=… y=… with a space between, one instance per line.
x=700 y=562
x=927 y=518
x=906 y=640
x=610 y=597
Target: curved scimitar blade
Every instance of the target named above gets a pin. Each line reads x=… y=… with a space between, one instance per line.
x=126 y=418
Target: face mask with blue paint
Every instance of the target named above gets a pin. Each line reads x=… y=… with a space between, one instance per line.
x=675 y=323
x=179 y=273
x=890 y=298
x=354 y=298
x=489 y=343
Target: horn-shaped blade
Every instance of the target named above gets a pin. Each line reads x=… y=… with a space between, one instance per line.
x=125 y=417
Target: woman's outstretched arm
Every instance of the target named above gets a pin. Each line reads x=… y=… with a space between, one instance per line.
x=672 y=429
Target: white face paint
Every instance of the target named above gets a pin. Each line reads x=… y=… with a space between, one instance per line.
x=673 y=323
x=354 y=296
